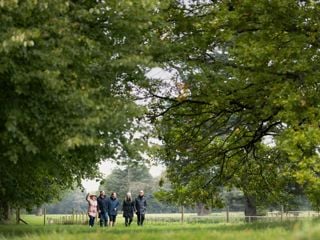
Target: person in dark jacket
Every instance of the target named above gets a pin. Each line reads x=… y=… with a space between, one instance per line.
x=140 y=207
x=113 y=205
x=128 y=209
x=103 y=209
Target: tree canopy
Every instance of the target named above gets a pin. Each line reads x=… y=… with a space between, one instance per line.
x=129 y=179
x=244 y=104
x=242 y=109
x=64 y=73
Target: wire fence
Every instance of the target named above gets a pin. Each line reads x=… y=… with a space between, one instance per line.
x=232 y=217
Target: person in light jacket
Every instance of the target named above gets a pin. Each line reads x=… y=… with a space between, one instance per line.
x=128 y=209
x=113 y=205
x=92 y=208
x=140 y=207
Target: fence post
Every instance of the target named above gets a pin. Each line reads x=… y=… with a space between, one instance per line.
x=44 y=216
x=282 y=212
x=227 y=213
x=72 y=216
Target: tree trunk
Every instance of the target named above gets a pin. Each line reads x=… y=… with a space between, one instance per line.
x=39 y=211
x=4 y=211
x=202 y=210
x=18 y=216
x=250 y=210
x=182 y=214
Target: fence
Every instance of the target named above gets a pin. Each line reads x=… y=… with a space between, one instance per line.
x=74 y=218
x=82 y=218
x=234 y=217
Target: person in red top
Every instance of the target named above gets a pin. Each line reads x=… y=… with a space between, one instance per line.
x=92 y=208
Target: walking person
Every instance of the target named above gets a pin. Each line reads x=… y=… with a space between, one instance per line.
x=92 y=208
x=141 y=207
x=128 y=209
x=103 y=209
x=113 y=205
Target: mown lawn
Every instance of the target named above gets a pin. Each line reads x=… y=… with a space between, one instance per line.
x=306 y=230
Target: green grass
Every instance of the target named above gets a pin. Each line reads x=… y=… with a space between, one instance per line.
x=302 y=230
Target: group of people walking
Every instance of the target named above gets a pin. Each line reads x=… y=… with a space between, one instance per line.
x=106 y=208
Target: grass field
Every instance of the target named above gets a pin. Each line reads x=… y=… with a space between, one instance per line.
x=296 y=230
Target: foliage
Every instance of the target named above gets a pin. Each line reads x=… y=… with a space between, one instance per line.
x=65 y=70
x=72 y=201
x=243 y=108
x=133 y=179
x=129 y=179
x=188 y=194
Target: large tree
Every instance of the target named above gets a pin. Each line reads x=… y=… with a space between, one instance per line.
x=64 y=71
x=129 y=179
x=245 y=101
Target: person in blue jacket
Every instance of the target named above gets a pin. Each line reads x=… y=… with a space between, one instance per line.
x=113 y=205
